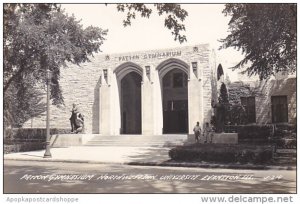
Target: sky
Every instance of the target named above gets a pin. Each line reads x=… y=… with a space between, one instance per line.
x=205 y=23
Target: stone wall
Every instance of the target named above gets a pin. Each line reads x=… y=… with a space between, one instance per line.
x=263 y=91
x=266 y=89
x=81 y=84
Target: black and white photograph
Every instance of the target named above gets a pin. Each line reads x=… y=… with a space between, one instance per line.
x=150 y=98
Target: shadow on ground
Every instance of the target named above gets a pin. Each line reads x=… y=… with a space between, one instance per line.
x=14 y=171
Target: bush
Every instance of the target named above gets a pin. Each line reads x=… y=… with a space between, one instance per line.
x=223 y=153
x=261 y=132
x=283 y=135
x=27 y=139
x=253 y=134
x=286 y=143
x=26 y=134
x=285 y=131
x=23 y=147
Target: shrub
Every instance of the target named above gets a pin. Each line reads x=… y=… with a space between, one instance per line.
x=285 y=131
x=223 y=153
x=262 y=132
x=23 y=147
x=27 y=139
x=286 y=143
x=283 y=135
x=253 y=134
x=237 y=114
x=26 y=134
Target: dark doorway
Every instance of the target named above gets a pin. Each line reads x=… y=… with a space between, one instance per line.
x=175 y=102
x=131 y=104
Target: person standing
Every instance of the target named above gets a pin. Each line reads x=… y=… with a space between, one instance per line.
x=207 y=132
x=197 y=132
x=74 y=111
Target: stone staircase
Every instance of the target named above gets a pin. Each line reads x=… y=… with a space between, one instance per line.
x=138 y=140
x=285 y=157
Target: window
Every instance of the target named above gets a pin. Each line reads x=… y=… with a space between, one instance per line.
x=180 y=105
x=177 y=80
x=279 y=109
x=249 y=106
x=167 y=80
x=176 y=105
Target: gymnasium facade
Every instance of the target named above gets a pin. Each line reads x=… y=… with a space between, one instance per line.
x=160 y=92
x=150 y=92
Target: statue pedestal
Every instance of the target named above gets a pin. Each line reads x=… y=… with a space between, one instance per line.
x=67 y=140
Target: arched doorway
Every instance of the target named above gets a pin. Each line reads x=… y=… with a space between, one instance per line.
x=174 y=85
x=174 y=76
x=130 y=103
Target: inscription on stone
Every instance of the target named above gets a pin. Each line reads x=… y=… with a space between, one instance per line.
x=157 y=55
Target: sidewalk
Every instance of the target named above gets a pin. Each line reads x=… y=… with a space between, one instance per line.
x=97 y=154
x=145 y=156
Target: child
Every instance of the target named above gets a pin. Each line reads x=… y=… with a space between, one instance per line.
x=207 y=133
x=197 y=132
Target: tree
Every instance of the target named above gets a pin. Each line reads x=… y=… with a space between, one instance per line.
x=223 y=98
x=22 y=102
x=222 y=109
x=267 y=36
x=174 y=16
x=38 y=37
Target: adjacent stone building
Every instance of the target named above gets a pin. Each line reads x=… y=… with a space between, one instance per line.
x=150 y=92
x=270 y=101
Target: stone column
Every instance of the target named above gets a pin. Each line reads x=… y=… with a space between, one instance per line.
x=157 y=104
x=195 y=97
x=105 y=105
x=147 y=101
x=115 y=111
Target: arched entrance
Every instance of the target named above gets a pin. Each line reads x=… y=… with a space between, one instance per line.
x=130 y=102
x=129 y=78
x=174 y=89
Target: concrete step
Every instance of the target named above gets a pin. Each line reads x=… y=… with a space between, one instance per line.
x=286 y=153
x=285 y=156
x=285 y=161
x=137 y=140
x=136 y=145
x=286 y=150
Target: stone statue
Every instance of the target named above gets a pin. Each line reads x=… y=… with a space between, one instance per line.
x=79 y=123
x=77 y=120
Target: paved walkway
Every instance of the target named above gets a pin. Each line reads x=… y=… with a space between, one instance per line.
x=146 y=156
x=97 y=154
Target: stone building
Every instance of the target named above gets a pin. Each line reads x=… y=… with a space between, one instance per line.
x=150 y=92
x=270 y=101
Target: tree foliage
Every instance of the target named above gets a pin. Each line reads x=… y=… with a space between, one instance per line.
x=22 y=102
x=38 y=37
x=267 y=36
x=174 y=16
x=223 y=98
